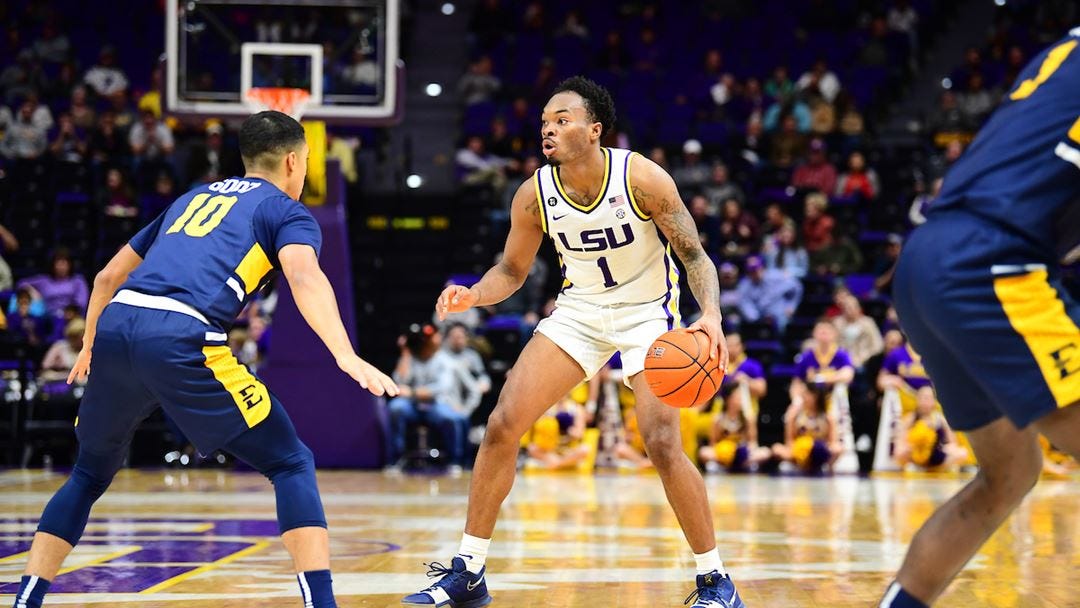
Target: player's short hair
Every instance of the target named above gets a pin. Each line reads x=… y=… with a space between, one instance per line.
x=267 y=136
x=598 y=101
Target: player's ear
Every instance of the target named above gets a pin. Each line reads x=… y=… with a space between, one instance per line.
x=291 y=162
x=597 y=130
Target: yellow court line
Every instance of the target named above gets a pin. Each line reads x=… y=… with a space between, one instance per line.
x=102 y=559
x=203 y=527
x=259 y=546
x=14 y=558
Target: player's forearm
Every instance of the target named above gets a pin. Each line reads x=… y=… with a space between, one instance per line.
x=105 y=286
x=497 y=284
x=704 y=282
x=317 y=303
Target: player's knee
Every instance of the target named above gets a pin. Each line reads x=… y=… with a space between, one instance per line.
x=94 y=472
x=501 y=429
x=301 y=461
x=663 y=445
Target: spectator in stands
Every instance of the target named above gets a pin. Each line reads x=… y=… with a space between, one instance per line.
x=59 y=89
x=118 y=196
x=850 y=125
x=885 y=265
x=787 y=146
x=426 y=377
x=1014 y=62
x=783 y=252
x=500 y=144
x=8 y=244
x=921 y=204
x=775 y=219
x=779 y=86
x=722 y=92
x=949 y=122
x=69 y=145
x=106 y=78
x=457 y=348
x=120 y=105
x=903 y=18
x=859 y=180
x=153 y=204
x=478 y=84
x=61 y=356
x=749 y=102
x=23 y=139
x=659 y=156
x=363 y=72
x=22 y=77
x=788 y=106
x=841 y=257
x=82 y=113
x=692 y=175
x=210 y=160
x=720 y=188
x=825 y=363
x=729 y=295
x=59 y=324
x=754 y=146
x=875 y=51
x=859 y=334
x=478 y=168
x=743 y=369
x=817 y=228
x=708 y=224
x=151 y=140
x=61 y=287
x=817 y=173
x=52 y=46
x=976 y=101
x=939 y=164
x=40 y=114
x=24 y=324
x=767 y=295
x=108 y=146
x=973 y=64
x=573 y=27
x=820 y=82
x=527 y=302
x=739 y=230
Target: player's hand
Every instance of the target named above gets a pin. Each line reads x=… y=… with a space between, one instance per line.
x=455 y=298
x=710 y=324
x=368 y=376
x=81 y=369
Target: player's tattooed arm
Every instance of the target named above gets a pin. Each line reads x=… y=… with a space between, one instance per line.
x=510 y=272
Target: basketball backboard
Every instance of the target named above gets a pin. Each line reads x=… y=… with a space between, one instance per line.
x=343 y=53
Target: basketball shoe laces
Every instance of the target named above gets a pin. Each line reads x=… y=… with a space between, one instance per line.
x=707 y=593
x=444 y=574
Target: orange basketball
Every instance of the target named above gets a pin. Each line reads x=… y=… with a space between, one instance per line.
x=678 y=369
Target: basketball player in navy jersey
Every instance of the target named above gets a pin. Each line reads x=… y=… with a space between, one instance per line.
x=156 y=326
x=980 y=297
x=615 y=219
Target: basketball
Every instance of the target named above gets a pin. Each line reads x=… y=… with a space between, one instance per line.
x=679 y=371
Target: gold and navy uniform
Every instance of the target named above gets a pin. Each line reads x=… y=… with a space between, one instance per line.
x=161 y=341
x=977 y=287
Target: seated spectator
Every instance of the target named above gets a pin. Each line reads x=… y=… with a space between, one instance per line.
x=40 y=113
x=739 y=230
x=921 y=203
x=783 y=252
x=69 y=145
x=749 y=103
x=885 y=265
x=859 y=334
x=53 y=45
x=426 y=377
x=976 y=101
x=875 y=50
x=817 y=173
x=753 y=148
x=858 y=180
x=708 y=224
x=775 y=219
x=59 y=324
x=939 y=164
x=527 y=302
x=457 y=348
x=692 y=175
x=817 y=228
x=24 y=323
x=923 y=437
x=784 y=107
x=744 y=370
x=60 y=288
x=478 y=168
x=82 y=113
x=841 y=257
x=108 y=145
x=151 y=141
x=722 y=91
x=779 y=86
x=153 y=204
x=733 y=438
x=949 y=122
x=819 y=81
x=825 y=363
x=118 y=196
x=787 y=146
x=478 y=84
x=362 y=73
x=61 y=356
x=767 y=295
x=556 y=441
x=720 y=188
x=811 y=435
x=24 y=140
x=729 y=295
x=106 y=78
x=210 y=160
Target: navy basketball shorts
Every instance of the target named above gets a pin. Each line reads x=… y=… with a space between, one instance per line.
x=144 y=358
x=986 y=310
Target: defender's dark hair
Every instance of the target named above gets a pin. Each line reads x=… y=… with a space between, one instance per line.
x=267 y=136
x=598 y=101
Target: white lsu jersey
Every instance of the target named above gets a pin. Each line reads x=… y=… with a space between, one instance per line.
x=610 y=251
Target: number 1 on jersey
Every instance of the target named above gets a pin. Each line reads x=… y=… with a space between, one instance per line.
x=609 y=281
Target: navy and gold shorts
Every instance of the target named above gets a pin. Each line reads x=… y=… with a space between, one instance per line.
x=986 y=310
x=145 y=358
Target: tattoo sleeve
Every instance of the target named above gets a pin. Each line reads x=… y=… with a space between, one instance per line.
x=674 y=221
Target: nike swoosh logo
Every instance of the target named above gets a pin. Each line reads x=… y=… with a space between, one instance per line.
x=556 y=218
x=471 y=586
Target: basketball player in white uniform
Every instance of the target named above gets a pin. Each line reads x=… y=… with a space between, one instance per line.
x=615 y=218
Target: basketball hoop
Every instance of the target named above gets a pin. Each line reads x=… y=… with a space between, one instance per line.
x=288 y=100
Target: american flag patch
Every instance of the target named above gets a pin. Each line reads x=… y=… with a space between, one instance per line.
x=617 y=200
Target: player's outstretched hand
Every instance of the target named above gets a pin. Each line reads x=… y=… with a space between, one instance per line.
x=455 y=298
x=711 y=325
x=81 y=369
x=368 y=376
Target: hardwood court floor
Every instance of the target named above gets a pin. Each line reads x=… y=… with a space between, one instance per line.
x=208 y=539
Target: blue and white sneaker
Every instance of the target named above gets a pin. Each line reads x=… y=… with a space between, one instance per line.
x=457 y=587
x=715 y=591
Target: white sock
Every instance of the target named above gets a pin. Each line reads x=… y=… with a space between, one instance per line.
x=474 y=551
x=709 y=561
